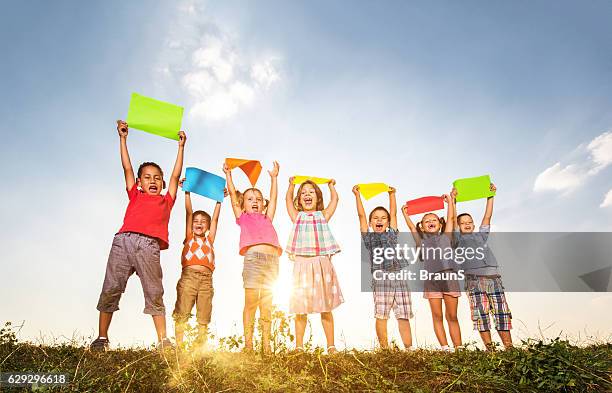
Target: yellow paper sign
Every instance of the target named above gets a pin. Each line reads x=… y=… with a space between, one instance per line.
x=370 y=190
x=316 y=180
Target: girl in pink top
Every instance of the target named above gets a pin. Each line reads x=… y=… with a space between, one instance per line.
x=260 y=248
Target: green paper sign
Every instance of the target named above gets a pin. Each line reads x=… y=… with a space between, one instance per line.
x=156 y=117
x=472 y=188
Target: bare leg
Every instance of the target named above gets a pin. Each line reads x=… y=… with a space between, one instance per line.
x=265 y=314
x=251 y=301
x=202 y=334
x=381 y=332
x=103 y=323
x=327 y=320
x=300 y=328
x=438 y=323
x=486 y=339
x=179 y=332
x=450 y=305
x=160 y=326
x=405 y=332
x=506 y=338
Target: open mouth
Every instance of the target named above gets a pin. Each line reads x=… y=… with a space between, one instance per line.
x=431 y=227
x=255 y=208
x=379 y=227
x=308 y=201
x=153 y=188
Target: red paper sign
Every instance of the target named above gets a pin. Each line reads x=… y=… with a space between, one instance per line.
x=425 y=204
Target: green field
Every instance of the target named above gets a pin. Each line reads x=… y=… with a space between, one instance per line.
x=533 y=366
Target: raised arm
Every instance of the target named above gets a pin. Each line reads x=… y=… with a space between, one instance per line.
x=411 y=226
x=328 y=212
x=232 y=191
x=453 y=195
x=188 y=212
x=392 y=208
x=363 y=222
x=128 y=171
x=450 y=214
x=178 y=165
x=273 y=191
x=486 y=220
x=291 y=210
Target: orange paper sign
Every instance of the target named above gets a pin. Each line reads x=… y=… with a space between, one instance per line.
x=251 y=168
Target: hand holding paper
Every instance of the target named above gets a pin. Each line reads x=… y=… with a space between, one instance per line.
x=156 y=117
x=122 y=129
x=370 y=190
x=251 y=168
x=472 y=188
x=316 y=180
x=424 y=205
x=204 y=183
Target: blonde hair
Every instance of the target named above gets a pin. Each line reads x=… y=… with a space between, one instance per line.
x=318 y=192
x=240 y=197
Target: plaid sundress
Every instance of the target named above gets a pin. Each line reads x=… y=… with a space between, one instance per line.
x=311 y=236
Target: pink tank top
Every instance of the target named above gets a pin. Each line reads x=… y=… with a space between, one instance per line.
x=256 y=228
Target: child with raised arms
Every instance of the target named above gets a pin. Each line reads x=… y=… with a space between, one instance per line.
x=261 y=250
x=483 y=282
x=433 y=235
x=195 y=287
x=136 y=246
x=311 y=246
x=388 y=294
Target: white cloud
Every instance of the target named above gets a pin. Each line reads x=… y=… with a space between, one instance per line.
x=557 y=178
x=607 y=202
x=596 y=156
x=218 y=77
x=601 y=151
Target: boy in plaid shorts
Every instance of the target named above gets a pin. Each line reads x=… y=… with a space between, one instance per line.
x=388 y=294
x=482 y=280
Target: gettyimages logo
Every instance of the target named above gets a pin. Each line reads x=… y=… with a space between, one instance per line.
x=527 y=262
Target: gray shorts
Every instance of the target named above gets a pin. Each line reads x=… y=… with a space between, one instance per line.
x=260 y=270
x=133 y=253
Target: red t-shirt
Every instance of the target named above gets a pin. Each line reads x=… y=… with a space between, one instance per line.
x=148 y=214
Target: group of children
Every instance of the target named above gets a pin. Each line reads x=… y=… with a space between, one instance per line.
x=311 y=246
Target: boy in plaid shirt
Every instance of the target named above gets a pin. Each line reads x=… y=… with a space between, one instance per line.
x=388 y=294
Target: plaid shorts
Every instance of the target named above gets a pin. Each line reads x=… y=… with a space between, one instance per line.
x=486 y=295
x=391 y=295
x=133 y=253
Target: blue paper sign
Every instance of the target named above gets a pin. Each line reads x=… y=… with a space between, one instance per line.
x=204 y=183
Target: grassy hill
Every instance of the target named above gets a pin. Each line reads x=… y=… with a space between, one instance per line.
x=533 y=366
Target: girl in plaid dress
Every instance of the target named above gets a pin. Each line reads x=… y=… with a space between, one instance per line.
x=388 y=294
x=311 y=246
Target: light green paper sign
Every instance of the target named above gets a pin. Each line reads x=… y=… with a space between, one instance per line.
x=153 y=116
x=472 y=188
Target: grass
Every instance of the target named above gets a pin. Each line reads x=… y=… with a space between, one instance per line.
x=554 y=365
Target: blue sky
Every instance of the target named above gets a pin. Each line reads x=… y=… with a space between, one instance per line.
x=414 y=94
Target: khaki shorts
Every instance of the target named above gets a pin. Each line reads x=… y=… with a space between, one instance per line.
x=194 y=287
